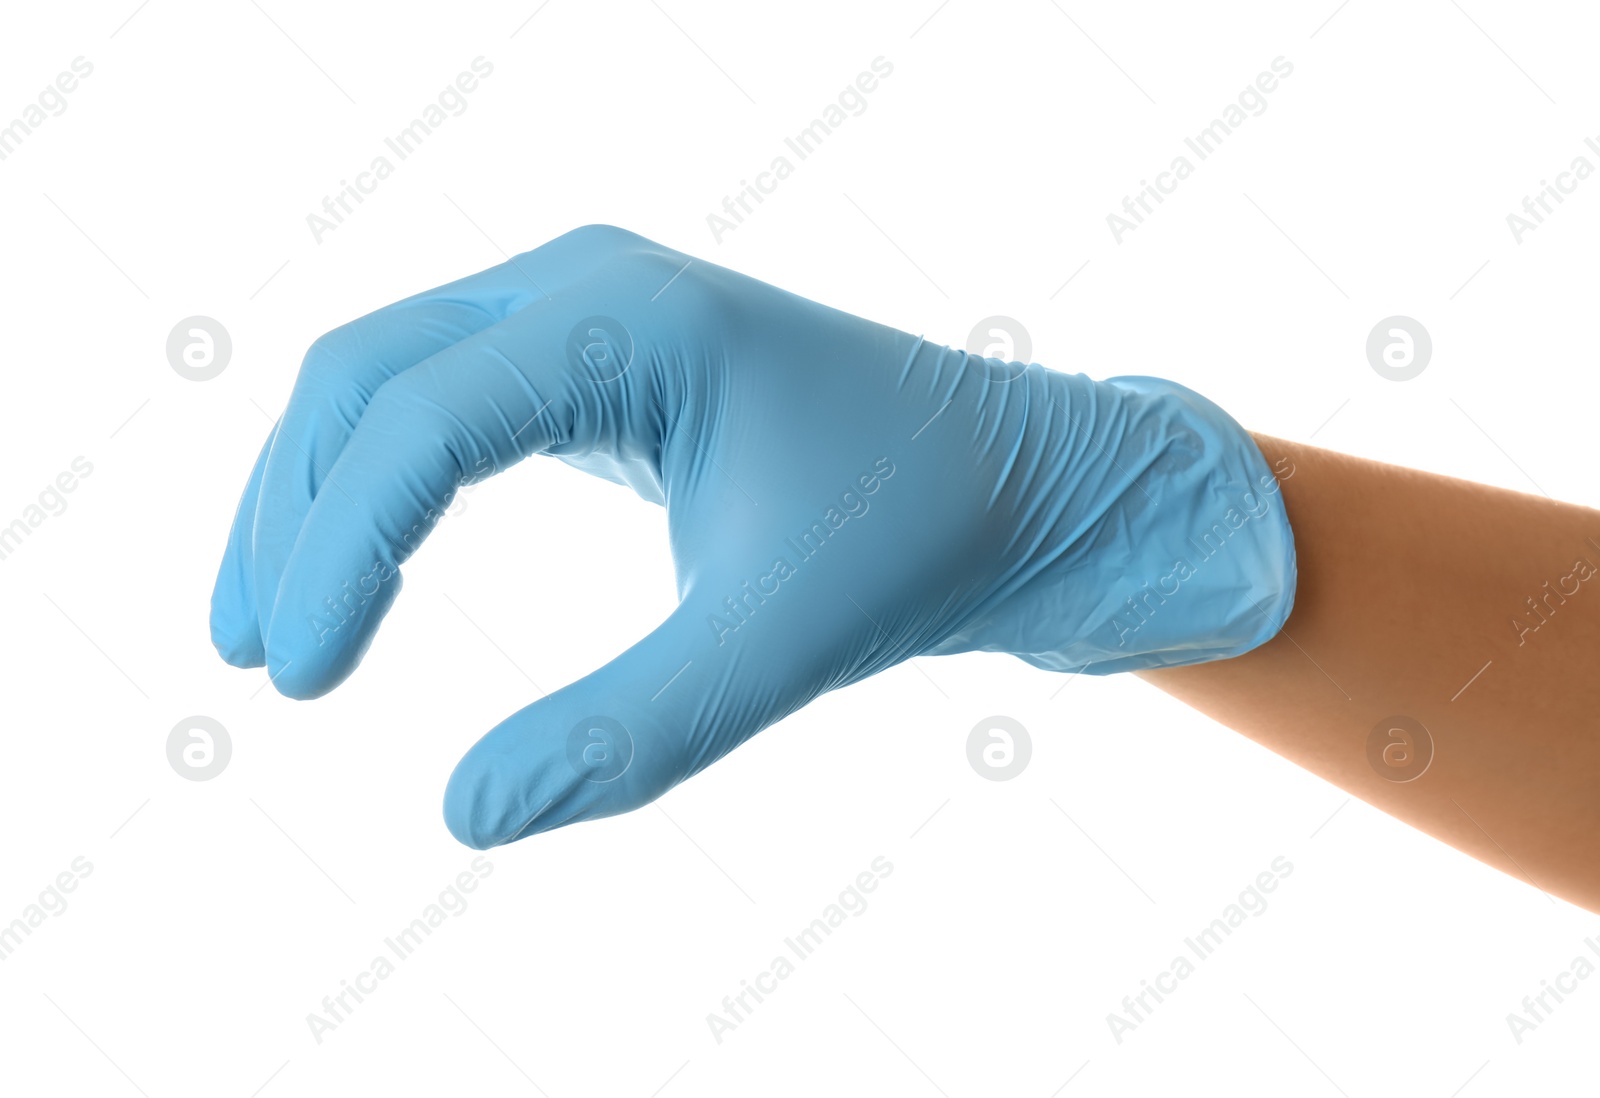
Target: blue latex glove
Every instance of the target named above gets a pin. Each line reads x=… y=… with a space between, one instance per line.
x=840 y=496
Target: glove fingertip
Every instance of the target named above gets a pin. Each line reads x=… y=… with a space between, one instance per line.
x=311 y=650
x=235 y=633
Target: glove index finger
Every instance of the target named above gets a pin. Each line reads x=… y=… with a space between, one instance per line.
x=340 y=374
x=575 y=375
x=464 y=414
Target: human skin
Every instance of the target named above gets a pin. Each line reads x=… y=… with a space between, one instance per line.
x=1012 y=526
x=1410 y=588
x=764 y=423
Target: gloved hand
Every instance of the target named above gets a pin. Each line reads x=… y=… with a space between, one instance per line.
x=840 y=496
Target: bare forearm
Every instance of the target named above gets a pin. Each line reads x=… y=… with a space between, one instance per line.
x=1411 y=586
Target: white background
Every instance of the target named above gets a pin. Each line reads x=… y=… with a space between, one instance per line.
x=220 y=914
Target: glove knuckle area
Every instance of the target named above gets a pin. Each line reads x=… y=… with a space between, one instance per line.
x=577 y=253
x=598 y=238
x=326 y=364
x=345 y=365
x=640 y=281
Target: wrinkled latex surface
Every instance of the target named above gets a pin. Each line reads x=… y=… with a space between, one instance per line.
x=840 y=496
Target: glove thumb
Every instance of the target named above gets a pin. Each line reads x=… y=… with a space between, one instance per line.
x=704 y=681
